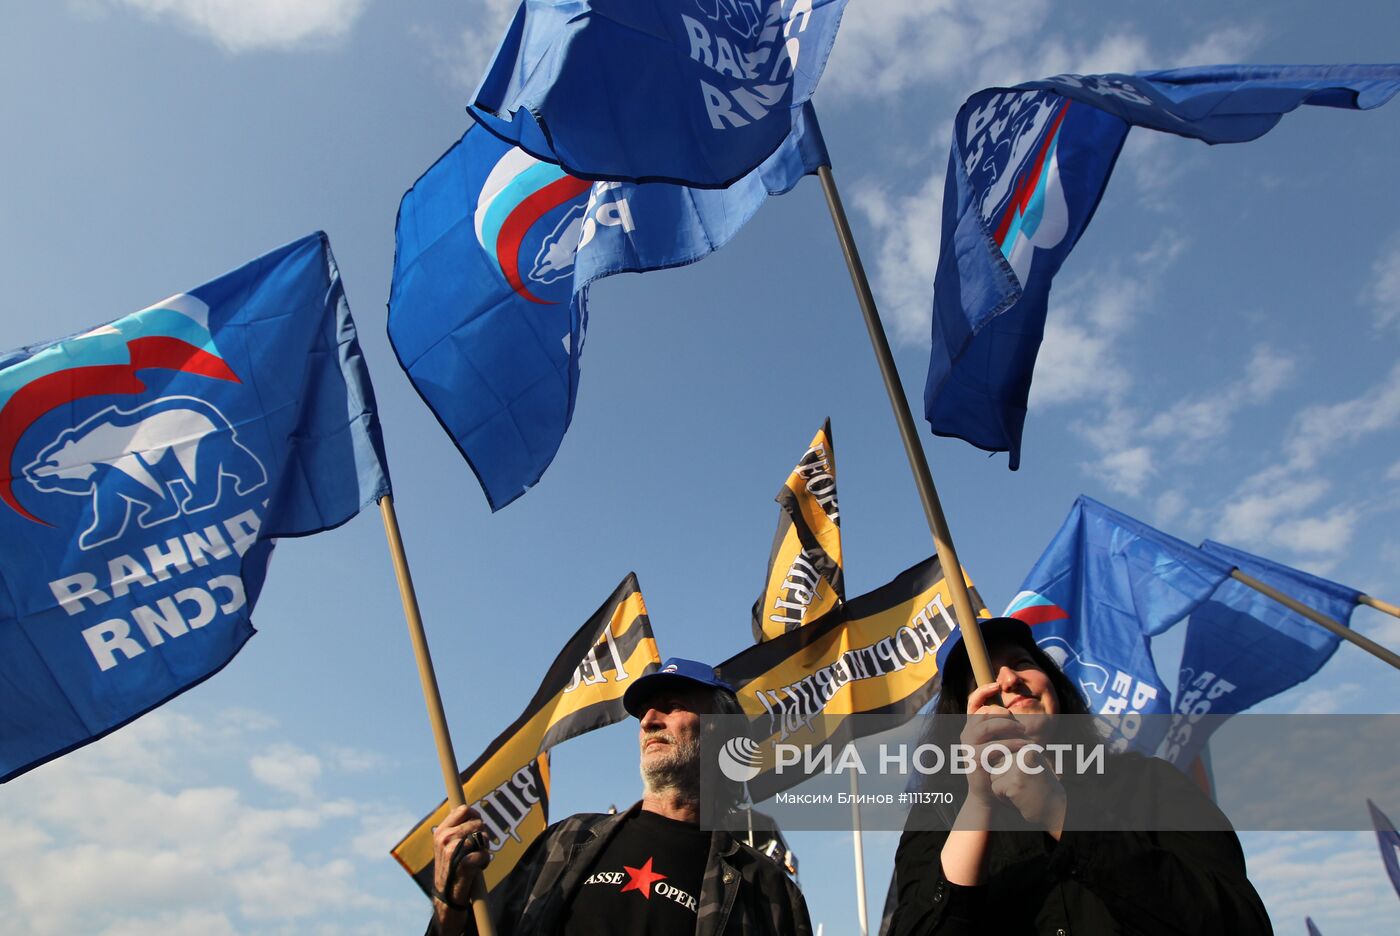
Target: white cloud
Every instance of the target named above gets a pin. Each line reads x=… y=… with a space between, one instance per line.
x=379 y=831
x=1292 y=506
x=1201 y=419
x=1078 y=358
x=1328 y=701
x=1285 y=868
x=354 y=760
x=1323 y=429
x=288 y=769
x=889 y=48
x=463 y=58
x=908 y=228
x=1222 y=45
x=141 y=832
x=1169 y=506
x=204 y=922
x=1384 y=290
x=246 y=25
x=1126 y=471
x=1251 y=518
x=1325 y=535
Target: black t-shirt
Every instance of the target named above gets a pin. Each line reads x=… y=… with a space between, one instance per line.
x=646 y=881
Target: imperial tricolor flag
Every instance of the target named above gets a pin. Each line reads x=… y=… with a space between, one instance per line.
x=1104 y=586
x=874 y=655
x=695 y=92
x=509 y=783
x=804 y=579
x=146 y=466
x=1242 y=647
x=1026 y=171
x=489 y=304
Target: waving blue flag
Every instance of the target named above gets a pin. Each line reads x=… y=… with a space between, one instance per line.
x=489 y=304
x=1104 y=585
x=695 y=92
x=146 y=467
x=1243 y=647
x=1389 y=841
x=1026 y=171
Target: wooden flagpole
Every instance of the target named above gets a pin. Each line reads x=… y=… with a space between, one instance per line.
x=1297 y=607
x=913 y=449
x=1379 y=605
x=446 y=758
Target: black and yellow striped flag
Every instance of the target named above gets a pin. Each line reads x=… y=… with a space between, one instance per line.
x=804 y=570
x=875 y=655
x=509 y=783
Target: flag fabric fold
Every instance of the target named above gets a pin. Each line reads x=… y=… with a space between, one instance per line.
x=146 y=467
x=496 y=250
x=805 y=578
x=873 y=655
x=1243 y=647
x=1026 y=170
x=1104 y=586
x=695 y=94
x=509 y=783
x=1389 y=841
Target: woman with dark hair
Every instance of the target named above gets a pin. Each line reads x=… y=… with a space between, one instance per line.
x=1033 y=850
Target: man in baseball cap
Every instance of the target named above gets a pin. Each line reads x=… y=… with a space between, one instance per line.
x=650 y=869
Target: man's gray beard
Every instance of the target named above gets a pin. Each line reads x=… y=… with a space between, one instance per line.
x=677 y=772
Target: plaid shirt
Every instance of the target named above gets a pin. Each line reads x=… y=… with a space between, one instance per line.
x=744 y=893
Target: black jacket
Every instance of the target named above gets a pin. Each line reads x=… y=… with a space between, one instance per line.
x=744 y=893
x=1163 y=882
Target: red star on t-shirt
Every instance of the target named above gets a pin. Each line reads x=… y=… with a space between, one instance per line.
x=642 y=879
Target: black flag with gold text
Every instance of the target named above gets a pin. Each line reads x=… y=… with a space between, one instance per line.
x=509 y=783
x=804 y=580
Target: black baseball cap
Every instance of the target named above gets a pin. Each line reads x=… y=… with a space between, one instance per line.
x=953 y=665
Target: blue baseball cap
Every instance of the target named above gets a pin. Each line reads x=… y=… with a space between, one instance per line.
x=673 y=672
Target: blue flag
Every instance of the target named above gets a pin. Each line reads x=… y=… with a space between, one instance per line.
x=1104 y=585
x=1026 y=171
x=145 y=468
x=1389 y=841
x=489 y=304
x=1312 y=927
x=1243 y=647
x=695 y=92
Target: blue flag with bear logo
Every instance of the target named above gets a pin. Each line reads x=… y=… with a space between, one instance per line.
x=495 y=252
x=1243 y=647
x=1104 y=585
x=1026 y=170
x=694 y=92
x=146 y=466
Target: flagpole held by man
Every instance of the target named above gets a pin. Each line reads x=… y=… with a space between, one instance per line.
x=507 y=786
x=650 y=868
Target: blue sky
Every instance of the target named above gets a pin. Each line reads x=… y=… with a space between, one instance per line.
x=1220 y=361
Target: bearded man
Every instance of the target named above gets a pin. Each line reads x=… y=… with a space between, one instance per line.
x=649 y=870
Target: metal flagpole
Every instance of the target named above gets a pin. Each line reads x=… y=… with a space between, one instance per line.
x=918 y=463
x=1297 y=607
x=860 y=858
x=446 y=758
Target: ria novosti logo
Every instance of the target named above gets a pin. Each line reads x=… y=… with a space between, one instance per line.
x=739 y=759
